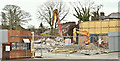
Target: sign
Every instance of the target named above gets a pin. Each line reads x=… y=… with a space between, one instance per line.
x=26 y=40
x=67 y=41
x=100 y=41
x=7 y=48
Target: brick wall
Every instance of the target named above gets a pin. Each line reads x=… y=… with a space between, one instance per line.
x=82 y=39
x=19 y=53
x=18 y=33
x=5 y=54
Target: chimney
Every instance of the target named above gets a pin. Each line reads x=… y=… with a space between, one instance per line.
x=102 y=15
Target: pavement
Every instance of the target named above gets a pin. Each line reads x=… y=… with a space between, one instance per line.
x=77 y=56
x=63 y=60
x=72 y=57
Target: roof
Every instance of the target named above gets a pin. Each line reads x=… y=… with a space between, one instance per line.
x=115 y=15
x=68 y=23
x=65 y=26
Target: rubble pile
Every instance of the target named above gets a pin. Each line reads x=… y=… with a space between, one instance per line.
x=49 y=43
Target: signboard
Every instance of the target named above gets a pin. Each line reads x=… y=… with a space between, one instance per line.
x=67 y=41
x=26 y=40
x=7 y=48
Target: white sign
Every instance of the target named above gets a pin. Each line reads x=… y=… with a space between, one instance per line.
x=100 y=41
x=26 y=40
x=7 y=48
x=67 y=41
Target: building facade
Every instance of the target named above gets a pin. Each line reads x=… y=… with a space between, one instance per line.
x=67 y=28
x=119 y=6
x=15 y=44
x=3 y=39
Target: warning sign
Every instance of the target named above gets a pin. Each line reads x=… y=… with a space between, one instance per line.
x=7 y=48
x=67 y=41
x=99 y=41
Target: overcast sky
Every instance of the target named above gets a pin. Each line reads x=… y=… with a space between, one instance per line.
x=31 y=6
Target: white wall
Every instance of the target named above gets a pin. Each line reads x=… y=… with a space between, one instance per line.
x=114 y=41
x=119 y=6
x=0 y=44
x=3 y=39
x=0 y=50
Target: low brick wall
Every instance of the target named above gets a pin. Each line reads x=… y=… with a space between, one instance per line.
x=19 y=53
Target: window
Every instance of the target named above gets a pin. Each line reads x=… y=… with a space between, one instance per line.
x=20 y=46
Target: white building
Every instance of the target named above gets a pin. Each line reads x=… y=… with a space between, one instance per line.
x=3 y=39
x=119 y=6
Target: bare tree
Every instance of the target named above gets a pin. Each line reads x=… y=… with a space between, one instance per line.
x=4 y=21
x=85 y=10
x=95 y=13
x=42 y=27
x=45 y=12
x=15 y=16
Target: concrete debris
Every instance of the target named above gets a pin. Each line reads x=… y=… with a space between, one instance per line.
x=70 y=51
x=94 y=52
x=57 y=45
x=49 y=43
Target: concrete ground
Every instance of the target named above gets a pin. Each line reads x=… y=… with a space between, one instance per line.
x=63 y=60
x=78 y=56
x=72 y=57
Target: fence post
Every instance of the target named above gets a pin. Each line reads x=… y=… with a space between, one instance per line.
x=89 y=46
x=32 y=42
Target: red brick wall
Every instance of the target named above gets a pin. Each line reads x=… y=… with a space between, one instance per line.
x=18 y=33
x=5 y=54
x=19 y=53
x=82 y=39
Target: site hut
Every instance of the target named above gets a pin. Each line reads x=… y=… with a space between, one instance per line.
x=15 y=44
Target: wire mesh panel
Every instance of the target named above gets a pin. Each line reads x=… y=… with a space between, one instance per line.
x=97 y=45
x=52 y=46
x=48 y=46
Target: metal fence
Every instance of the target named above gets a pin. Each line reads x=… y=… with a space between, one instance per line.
x=48 y=46
x=51 y=46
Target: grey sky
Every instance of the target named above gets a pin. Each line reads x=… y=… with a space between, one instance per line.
x=31 y=6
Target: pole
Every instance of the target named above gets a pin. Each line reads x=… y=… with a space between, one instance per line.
x=26 y=49
x=32 y=50
x=41 y=48
x=78 y=39
x=89 y=46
